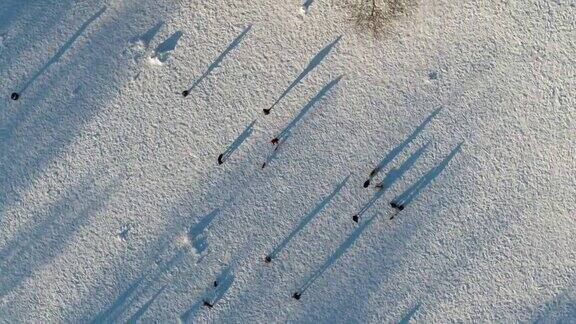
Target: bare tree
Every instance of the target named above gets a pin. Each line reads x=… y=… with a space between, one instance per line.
x=376 y=15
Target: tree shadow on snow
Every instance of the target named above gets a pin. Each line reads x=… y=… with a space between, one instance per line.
x=38 y=127
x=560 y=309
x=53 y=227
x=192 y=216
x=410 y=314
x=139 y=287
x=41 y=124
x=38 y=17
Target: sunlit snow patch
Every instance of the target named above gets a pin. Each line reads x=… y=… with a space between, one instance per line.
x=154 y=61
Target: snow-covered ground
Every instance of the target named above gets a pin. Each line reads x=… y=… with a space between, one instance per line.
x=113 y=206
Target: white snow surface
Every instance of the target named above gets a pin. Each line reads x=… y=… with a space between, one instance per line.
x=105 y=166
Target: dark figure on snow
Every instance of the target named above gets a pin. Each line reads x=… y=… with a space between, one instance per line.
x=207 y=304
x=15 y=96
x=395 y=205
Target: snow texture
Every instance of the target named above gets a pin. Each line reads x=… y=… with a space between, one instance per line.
x=114 y=208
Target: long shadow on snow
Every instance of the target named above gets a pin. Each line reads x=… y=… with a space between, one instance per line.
x=214 y=190
x=39 y=19
x=144 y=308
x=406 y=318
x=395 y=151
x=221 y=285
x=339 y=308
x=409 y=194
x=560 y=309
x=28 y=250
x=211 y=296
x=147 y=37
x=180 y=214
x=305 y=220
x=237 y=142
x=195 y=233
x=287 y=131
x=29 y=142
x=314 y=62
x=401 y=235
x=61 y=51
x=218 y=60
x=9 y=123
x=384 y=257
x=334 y=257
x=167 y=46
x=391 y=177
x=392 y=241
x=26 y=171
x=190 y=314
x=137 y=288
